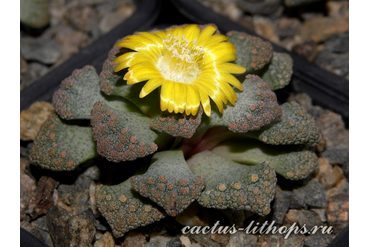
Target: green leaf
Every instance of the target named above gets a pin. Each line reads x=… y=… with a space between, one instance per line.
x=125 y=209
x=61 y=146
x=78 y=93
x=291 y=162
x=169 y=182
x=255 y=107
x=233 y=185
x=177 y=124
x=296 y=127
x=278 y=72
x=252 y=52
x=120 y=135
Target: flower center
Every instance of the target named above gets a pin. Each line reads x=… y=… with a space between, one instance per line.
x=180 y=59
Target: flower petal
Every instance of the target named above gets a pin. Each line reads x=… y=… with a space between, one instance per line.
x=144 y=54
x=213 y=89
x=179 y=97
x=229 y=92
x=232 y=80
x=154 y=37
x=232 y=68
x=220 y=53
x=141 y=72
x=191 y=32
x=125 y=56
x=141 y=45
x=150 y=86
x=161 y=34
x=166 y=94
x=217 y=38
x=217 y=96
x=131 y=60
x=192 y=101
x=212 y=61
x=206 y=33
x=120 y=66
x=205 y=101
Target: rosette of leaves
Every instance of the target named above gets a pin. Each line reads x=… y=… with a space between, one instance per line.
x=196 y=157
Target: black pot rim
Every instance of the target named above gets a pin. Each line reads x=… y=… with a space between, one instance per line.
x=29 y=240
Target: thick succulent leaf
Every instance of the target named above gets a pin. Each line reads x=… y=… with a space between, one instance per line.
x=120 y=104
x=290 y=162
x=278 y=72
x=256 y=107
x=292 y=3
x=112 y=83
x=78 y=93
x=125 y=209
x=60 y=146
x=252 y=52
x=296 y=127
x=233 y=185
x=177 y=124
x=120 y=135
x=169 y=182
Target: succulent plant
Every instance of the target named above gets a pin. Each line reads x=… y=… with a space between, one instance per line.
x=223 y=153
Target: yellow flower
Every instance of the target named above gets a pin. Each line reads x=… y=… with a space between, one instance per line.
x=190 y=65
